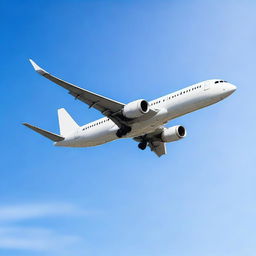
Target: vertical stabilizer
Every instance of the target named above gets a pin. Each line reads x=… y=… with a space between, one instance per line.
x=66 y=123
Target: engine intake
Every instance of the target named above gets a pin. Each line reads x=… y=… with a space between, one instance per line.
x=173 y=133
x=135 y=109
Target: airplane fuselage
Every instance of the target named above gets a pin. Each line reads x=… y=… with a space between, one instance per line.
x=171 y=106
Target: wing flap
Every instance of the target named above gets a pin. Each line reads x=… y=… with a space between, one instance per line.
x=154 y=142
x=158 y=147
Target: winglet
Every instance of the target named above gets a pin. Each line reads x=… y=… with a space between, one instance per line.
x=37 y=68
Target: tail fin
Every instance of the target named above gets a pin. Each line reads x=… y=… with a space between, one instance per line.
x=66 y=122
x=49 y=135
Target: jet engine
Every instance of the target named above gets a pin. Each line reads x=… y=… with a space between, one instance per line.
x=135 y=108
x=173 y=133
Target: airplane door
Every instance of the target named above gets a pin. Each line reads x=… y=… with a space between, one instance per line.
x=206 y=86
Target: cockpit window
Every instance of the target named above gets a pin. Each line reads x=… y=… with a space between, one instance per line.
x=220 y=81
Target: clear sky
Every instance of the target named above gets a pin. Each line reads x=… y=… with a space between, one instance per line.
x=112 y=200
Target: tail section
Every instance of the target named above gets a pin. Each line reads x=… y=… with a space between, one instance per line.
x=49 y=135
x=66 y=123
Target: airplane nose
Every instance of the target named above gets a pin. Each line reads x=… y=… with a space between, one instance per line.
x=231 y=88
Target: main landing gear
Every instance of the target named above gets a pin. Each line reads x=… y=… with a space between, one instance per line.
x=123 y=131
x=142 y=145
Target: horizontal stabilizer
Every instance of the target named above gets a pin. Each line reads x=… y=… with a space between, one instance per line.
x=49 y=135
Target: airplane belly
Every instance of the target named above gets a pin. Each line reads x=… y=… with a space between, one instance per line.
x=97 y=137
x=149 y=125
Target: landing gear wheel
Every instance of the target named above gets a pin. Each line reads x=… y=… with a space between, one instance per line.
x=128 y=129
x=119 y=133
x=123 y=131
x=142 y=145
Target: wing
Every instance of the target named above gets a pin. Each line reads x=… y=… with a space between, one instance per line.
x=154 y=141
x=105 y=105
x=158 y=147
x=108 y=107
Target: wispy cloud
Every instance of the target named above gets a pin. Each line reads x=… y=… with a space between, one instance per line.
x=13 y=213
x=14 y=236
x=35 y=239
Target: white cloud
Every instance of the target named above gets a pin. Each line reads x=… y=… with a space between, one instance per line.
x=16 y=237
x=35 y=239
x=31 y=211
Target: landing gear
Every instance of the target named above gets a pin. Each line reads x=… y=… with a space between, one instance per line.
x=123 y=131
x=142 y=145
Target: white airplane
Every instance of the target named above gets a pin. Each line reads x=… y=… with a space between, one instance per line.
x=141 y=120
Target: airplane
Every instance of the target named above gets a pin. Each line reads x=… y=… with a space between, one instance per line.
x=142 y=120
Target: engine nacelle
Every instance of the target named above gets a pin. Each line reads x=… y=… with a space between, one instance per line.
x=173 y=133
x=135 y=109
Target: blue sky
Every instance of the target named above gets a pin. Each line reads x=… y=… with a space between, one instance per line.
x=199 y=200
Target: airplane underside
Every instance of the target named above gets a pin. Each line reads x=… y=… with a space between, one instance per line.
x=141 y=120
